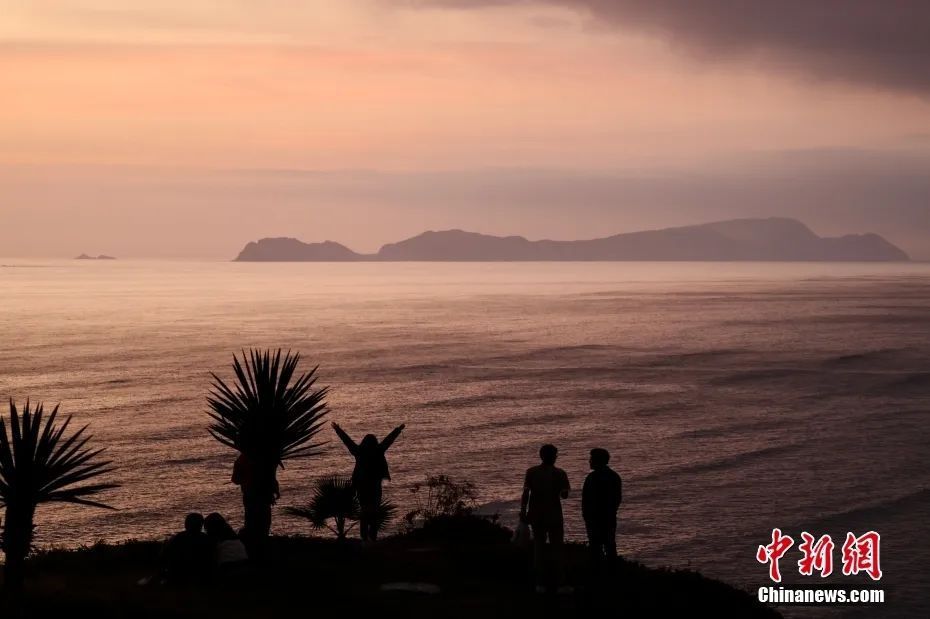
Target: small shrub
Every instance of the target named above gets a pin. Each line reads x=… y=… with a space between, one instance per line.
x=440 y=495
x=335 y=506
x=446 y=512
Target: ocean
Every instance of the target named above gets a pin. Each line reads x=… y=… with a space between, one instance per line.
x=734 y=397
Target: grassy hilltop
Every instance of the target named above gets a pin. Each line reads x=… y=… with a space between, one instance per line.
x=310 y=575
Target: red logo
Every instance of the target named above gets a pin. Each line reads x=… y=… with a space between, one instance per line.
x=860 y=554
x=773 y=552
x=817 y=555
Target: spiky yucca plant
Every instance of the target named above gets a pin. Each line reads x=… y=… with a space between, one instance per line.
x=334 y=499
x=268 y=415
x=39 y=464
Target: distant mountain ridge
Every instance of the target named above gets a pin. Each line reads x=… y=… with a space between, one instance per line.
x=773 y=239
x=285 y=249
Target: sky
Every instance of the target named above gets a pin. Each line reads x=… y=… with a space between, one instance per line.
x=185 y=129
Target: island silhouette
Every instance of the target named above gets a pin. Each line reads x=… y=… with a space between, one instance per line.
x=100 y=257
x=770 y=239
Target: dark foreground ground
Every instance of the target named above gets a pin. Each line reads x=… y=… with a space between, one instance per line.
x=310 y=576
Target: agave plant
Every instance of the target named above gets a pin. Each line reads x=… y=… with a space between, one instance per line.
x=268 y=416
x=39 y=464
x=334 y=499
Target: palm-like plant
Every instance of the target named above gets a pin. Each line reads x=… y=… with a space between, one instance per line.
x=39 y=464
x=334 y=499
x=268 y=416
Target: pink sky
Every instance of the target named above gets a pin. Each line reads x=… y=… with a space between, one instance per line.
x=149 y=109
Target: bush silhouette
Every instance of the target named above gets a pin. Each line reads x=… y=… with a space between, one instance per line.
x=446 y=513
x=40 y=464
x=441 y=495
x=334 y=499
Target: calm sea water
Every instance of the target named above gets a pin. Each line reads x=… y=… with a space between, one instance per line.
x=734 y=397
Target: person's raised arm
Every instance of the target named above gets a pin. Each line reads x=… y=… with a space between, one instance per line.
x=349 y=443
x=390 y=438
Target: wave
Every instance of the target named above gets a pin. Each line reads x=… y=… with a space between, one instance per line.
x=575 y=348
x=761 y=375
x=687 y=358
x=118 y=381
x=719 y=431
x=562 y=352
x=521 y=396
x=870 y=356
x=472 y=400
x=513 y=422
x=732 y=461
x=835 y=319
x=893 y=506
x=554 y=373
x=917 y=383
x=898 y=414
x=884 y=319
x=739 y=459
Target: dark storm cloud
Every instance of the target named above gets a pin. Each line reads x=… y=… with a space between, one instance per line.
x=883 y=43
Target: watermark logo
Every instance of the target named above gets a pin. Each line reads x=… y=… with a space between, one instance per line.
x=859 y=554
x=818 y=556
x=773 y=553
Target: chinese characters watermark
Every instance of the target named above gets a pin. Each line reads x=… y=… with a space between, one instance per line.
x=859 y=554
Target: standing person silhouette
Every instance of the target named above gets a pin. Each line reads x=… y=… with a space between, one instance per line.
x=600 y=500
x=544 y=488
x=371 y=469
x=260 y=491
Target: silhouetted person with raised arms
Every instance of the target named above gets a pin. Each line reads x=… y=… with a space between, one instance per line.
x=600 y=500
x=544 y=488
x=188 y=554
x=371 y=469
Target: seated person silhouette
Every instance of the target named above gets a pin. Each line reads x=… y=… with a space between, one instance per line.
x=188 y=554
x=544 y=487
x=228 y=549
x=600 y=500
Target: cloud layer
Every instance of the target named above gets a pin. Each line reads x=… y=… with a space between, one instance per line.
x=881 y=43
